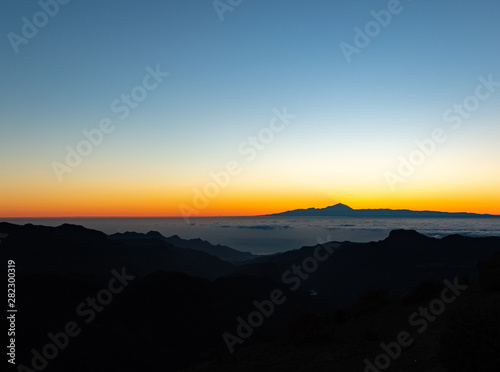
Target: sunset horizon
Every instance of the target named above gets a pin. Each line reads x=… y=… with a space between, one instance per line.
x=231 y=185
x=262 y=211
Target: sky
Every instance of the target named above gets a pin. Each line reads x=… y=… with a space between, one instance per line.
x=215 y=108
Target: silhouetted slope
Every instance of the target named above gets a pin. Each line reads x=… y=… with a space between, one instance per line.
x=489 y=272
x=464 y=338
x=398 y=262
x=221 y=251
x=75 y=249
x=163 y=321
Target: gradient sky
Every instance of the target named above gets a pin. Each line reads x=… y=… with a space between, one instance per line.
x=227 y=79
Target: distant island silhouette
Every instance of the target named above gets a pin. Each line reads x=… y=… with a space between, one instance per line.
x=342 y=210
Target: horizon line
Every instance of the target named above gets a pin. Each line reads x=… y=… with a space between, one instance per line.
x=239 y=215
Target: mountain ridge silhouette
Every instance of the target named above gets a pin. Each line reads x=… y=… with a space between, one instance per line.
x=342 y=210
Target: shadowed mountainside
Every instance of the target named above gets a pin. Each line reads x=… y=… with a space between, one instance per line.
x=75 y=249
x=223 y=252
x=397 y=263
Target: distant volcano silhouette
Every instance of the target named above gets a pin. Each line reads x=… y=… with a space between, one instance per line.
x=342 y=210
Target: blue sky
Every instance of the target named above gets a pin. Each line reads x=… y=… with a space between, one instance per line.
x=227 y=77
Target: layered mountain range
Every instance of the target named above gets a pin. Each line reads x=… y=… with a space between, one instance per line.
x=185 y=294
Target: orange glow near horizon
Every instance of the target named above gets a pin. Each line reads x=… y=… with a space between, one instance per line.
x=156 y=203
x=129 y=197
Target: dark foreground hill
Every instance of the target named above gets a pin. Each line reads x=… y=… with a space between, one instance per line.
x=464 y=337
x=144 y=304
x=396 y=263
x=71 y=249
